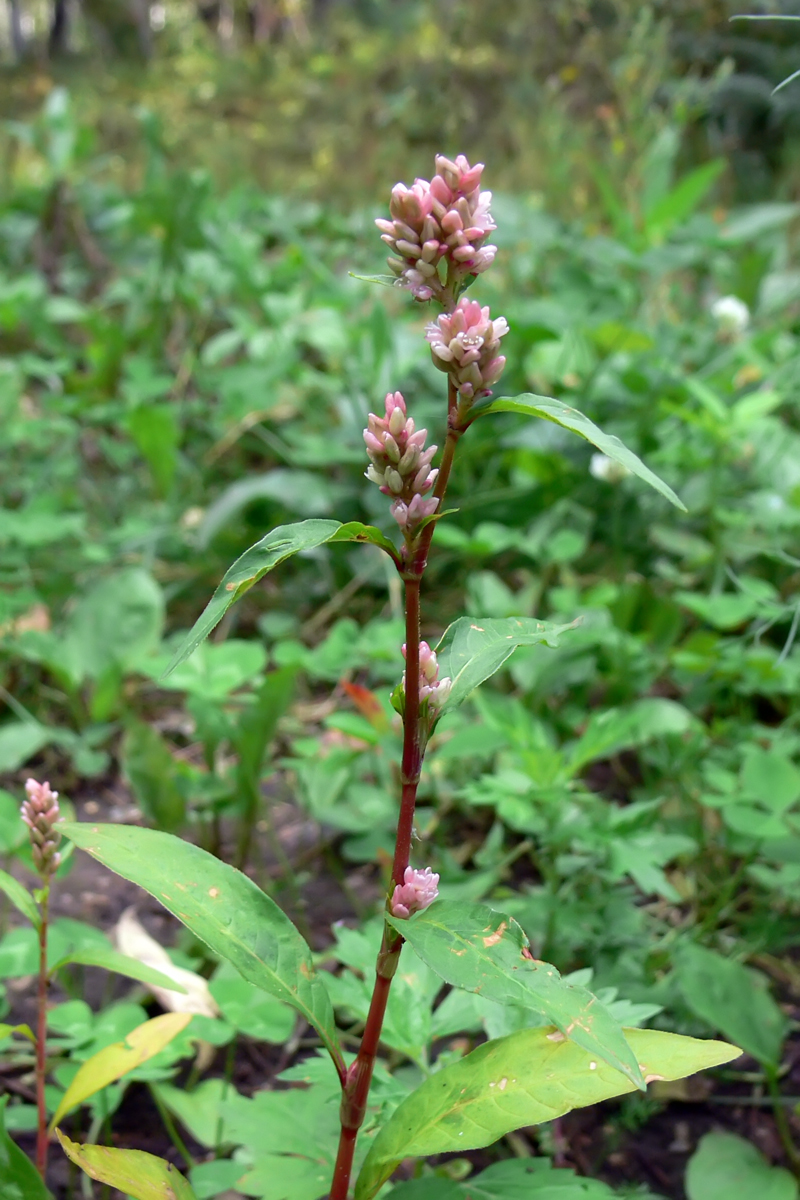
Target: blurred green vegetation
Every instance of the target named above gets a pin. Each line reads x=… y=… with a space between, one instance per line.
x=331 y=99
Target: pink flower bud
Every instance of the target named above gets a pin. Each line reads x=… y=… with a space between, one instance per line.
x=418 y=890
x=431 y=688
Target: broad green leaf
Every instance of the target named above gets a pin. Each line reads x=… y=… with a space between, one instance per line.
x=19 y=741
x=214 y=670
x=473 y=947
x=13 y=830
x=725 y=611
x=734 y=999
x=20 y=897
x=199 y=1111
x=472 y=649
x=770 y=778
x=618 y=729
x=223 y=908
x=155 y=431
x=121 y=964
x=118 y=1059
x=136 y=1174
x=511 y=1179
x=263 y=557
x=217 y=1177
x=114 y=623
x=524 y=1079
x=19 y=1179
x=152 y=773
x=726 y=1167
x=250 y=1010
x=530 y=405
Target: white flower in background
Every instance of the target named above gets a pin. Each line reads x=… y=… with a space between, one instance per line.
x=731 y=314
x=607 y=469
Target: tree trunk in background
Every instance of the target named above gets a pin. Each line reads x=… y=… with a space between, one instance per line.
x=17 y=36
x=59 y=29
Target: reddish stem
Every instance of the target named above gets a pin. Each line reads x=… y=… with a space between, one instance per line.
x=359 y=1076
x=41 y=1040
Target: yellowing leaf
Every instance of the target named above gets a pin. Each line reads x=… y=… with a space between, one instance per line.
x=136 y=1174
x=527 y=1078
x=118 y=1059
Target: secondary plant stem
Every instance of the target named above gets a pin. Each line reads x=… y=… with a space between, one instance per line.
x=41 y=1039
x=359 y=1076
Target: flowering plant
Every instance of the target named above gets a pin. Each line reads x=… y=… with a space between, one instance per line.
x=437 y=233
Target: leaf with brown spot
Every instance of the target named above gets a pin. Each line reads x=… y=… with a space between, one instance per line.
x=242 y=924
x=470 y=653
x=494 y=964
x=515 y=1081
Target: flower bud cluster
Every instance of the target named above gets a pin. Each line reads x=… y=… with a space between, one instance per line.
x=465 y=343
x=442 y=221
x=40 y=813
x=400 y=464
x=431 y=687
x=418 y=890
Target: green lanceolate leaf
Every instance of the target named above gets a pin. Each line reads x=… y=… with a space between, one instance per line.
x=20 y=897
x=19 y=1179
x=530 y=405
x=472 y=649
x=121 y=964
x=223 y=908
x=261 y=558
x=524 y=1079
x=473 y=947
x=116 y=1060
x=134 y=1173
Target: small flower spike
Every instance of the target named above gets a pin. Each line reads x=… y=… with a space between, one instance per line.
x=400 y=464
x=40 y=812
x=465 y=344
x=418 y=890
x=431 y=687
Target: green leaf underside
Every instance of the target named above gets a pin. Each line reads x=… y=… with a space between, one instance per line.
x=472 y=649
x=19 y=1179
x=264 y=556
x=473 y=947
x=121 y=964
x=223 y=908
x=530 y=405
x=515 y=1081
x=20 y=897
x=136 y=1174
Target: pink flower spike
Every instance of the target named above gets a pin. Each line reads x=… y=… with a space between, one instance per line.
x=40 y=812
x=418 y=890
